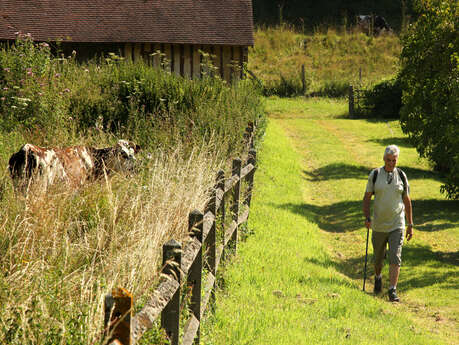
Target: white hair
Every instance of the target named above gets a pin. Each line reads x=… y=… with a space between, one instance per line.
x=391 y=150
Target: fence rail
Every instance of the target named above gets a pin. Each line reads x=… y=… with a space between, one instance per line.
x=183 y=266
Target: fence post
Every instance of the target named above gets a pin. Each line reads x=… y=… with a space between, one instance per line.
x=211 y=241
x=303 y=79
x=252 y=160
x=236 y=171
x=222 y=210
x=170 y=316
x=118 y=314
x=195 y=226
x=351 y=101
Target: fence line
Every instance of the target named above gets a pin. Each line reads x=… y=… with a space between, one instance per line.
x=357 y=104
x=185 y=265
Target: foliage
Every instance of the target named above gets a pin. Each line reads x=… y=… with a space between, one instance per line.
x=56 y=101
x=62 y=251
x=383 y=100
x=430 y=79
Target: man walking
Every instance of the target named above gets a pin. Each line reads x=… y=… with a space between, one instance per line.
x=391 y=205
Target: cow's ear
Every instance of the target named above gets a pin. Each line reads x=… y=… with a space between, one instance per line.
x=136 y=148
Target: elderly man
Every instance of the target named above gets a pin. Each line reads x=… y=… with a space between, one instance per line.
x=392 y=204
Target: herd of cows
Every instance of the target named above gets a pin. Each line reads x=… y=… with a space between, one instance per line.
x=76 y=165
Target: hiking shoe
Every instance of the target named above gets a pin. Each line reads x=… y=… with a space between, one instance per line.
x=378 y=285
x=393 y=296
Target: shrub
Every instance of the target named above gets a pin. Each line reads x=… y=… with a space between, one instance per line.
x=430 y=79
x=383 y=100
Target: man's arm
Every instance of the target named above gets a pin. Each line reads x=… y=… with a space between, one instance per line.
x=366 y=208
x=408 y=215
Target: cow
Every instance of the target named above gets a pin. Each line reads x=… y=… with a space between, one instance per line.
x=378 y=23
x=73 y=165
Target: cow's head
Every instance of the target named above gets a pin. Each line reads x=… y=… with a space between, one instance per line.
x=125 y=152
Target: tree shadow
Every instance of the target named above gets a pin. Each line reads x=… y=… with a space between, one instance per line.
x=433 y=210
x=339 y=171
x=438 y=267
x=399 y=141
x=346 y=216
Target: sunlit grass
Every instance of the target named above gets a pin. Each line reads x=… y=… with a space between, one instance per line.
x=332 y=59
x=298 y=279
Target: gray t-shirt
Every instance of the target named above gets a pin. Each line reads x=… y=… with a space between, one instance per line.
x=388 y=207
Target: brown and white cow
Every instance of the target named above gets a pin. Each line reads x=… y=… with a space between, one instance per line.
x=73 y=165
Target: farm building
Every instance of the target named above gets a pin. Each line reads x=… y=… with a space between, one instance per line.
x=176 y=30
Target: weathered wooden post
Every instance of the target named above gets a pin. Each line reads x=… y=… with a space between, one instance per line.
x=221 y=211
x=211 y=240
x=194 y=280
x=303 y=79
x=351 y=101
x=251 y=160
x=170 y=316
x=118 y=314
x=236 y=171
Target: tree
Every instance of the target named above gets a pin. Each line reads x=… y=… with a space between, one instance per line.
x=430 y=82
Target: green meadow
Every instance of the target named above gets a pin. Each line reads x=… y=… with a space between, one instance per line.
x=297 y=279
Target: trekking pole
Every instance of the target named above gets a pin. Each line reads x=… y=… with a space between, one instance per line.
x=366 y=256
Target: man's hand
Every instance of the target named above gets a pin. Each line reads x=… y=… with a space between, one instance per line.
x=368 y=222
x=409 y=232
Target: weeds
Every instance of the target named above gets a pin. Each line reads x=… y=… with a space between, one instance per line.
x=64 y=250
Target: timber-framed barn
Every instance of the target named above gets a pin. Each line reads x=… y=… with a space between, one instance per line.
x=176 y=31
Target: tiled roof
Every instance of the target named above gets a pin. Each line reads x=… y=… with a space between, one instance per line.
x=220 y=22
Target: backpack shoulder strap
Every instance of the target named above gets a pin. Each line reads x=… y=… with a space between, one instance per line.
x=402 y=176
x=375 y=175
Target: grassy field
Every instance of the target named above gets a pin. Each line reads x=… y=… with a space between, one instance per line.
x=332 y=60
x=298 y=278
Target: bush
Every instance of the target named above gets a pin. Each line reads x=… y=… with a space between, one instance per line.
x=430 y=79
x=383 y=100
x=56 y=101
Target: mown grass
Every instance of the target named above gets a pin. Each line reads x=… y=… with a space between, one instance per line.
x=332 y=60
x=298 y=279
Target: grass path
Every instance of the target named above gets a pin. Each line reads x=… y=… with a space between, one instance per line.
x=297 y=278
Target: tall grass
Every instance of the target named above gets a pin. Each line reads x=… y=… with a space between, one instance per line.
x=332 y=59
x=62 y=251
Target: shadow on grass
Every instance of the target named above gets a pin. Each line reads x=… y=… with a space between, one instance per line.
x=437 y=267
x=338 y=171
x=346 y=216
x=399 y=141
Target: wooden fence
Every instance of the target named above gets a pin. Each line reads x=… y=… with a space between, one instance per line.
x=357 y=101
x=183 y=266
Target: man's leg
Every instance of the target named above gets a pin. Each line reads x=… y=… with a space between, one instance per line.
x=395 y=259
x=379 y=240
x=394 y=271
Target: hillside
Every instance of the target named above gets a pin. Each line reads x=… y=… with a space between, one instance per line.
x=333 y=59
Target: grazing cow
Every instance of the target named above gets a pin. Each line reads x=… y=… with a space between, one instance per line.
x=73 y=165
x=365 y=22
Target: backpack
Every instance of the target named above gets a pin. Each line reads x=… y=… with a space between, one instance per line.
x=400 y=173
